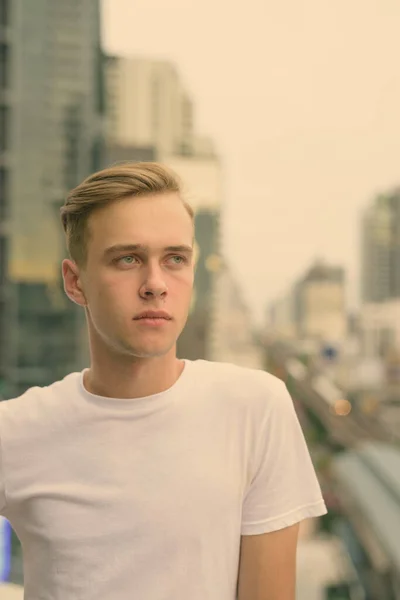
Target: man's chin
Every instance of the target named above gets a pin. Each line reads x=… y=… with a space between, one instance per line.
x=148 y=351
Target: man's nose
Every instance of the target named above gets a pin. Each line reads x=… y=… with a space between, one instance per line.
x=154 y=284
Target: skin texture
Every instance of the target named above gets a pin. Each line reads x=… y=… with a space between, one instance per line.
x=128 y=357
x=267 y=568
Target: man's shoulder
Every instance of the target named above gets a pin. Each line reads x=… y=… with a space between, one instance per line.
x=239 y=379
x=35 y=399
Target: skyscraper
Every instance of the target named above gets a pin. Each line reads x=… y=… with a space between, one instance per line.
x=381 y=249
x=149 y=110
x=5 y=113
x=319 y=304
x=54 y=116
x=57 y=125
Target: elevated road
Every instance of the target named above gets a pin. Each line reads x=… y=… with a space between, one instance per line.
x=321 y=397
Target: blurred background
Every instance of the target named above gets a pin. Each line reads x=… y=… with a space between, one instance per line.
x=282 y=120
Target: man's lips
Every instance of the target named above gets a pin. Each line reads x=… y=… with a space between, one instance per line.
x=153 y=314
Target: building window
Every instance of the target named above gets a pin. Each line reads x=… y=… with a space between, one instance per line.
x=3 y=260
x=3 y=66
x=4 y=12
x=3 y=128
x=3 y=194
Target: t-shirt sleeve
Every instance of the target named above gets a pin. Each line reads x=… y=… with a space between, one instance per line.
x=284 y=489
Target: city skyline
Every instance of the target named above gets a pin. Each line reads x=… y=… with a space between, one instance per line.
x=302 y=102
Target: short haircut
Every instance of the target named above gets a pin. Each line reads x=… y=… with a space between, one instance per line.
x=132 y=179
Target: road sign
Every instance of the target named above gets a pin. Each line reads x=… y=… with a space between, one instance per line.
x=329 y=352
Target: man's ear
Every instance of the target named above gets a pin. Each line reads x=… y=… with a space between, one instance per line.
x=72 y=282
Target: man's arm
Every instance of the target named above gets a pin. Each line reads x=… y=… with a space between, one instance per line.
x=267 y=569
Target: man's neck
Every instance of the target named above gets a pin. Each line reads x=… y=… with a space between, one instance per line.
x=135 y=378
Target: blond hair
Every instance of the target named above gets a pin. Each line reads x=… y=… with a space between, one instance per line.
x=109 y=185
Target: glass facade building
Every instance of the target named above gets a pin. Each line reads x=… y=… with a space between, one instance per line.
x=52 y=108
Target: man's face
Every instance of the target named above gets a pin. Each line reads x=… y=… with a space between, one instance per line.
x=139 y=258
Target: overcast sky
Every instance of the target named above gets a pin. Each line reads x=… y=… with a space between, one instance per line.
x=303 y=101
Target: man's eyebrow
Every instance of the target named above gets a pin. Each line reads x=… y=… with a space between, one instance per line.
x=142 y=248
x=181 y=248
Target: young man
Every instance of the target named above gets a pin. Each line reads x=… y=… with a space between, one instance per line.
x=148 y=477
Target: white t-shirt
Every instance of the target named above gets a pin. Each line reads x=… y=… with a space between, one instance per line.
x=148 y=498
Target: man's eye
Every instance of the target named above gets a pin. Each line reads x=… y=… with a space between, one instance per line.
x=178 y=260
x=127 y=260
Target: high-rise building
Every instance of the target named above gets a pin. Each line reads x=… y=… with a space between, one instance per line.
x=148 y=107
x=281 y=322
x=57 y=128
x=5 y=117
x=381 y=249
x=379 y=328
x=320 y=304
x=55 y=120
x=232 y=338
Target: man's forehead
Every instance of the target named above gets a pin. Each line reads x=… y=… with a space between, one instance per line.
x=117 y=230
x=126 y=218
